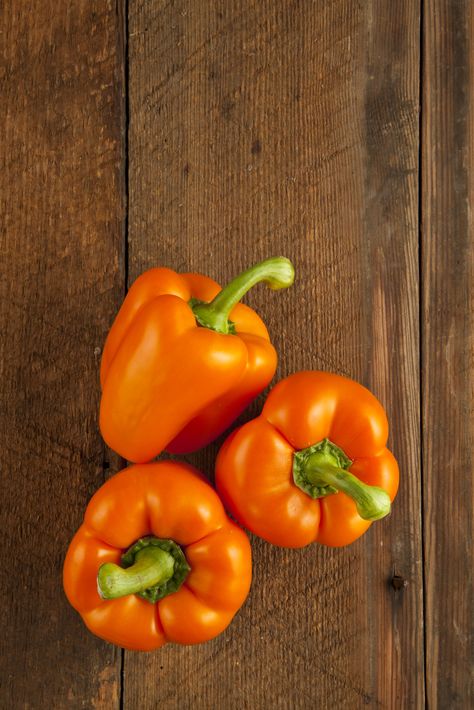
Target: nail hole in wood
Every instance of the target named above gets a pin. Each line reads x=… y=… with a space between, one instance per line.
x=256 y=147
x=398 y=582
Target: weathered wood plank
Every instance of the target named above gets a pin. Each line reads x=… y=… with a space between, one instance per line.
x=448 y=349
x=62 y=278
x=284 y=127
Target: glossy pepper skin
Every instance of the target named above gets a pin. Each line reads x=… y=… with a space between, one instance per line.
x=320 y=428
x=169 y=501
x=183 y=359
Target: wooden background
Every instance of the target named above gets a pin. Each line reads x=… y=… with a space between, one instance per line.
x=204 y=136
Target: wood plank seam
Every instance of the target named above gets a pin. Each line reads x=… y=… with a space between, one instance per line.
x=421 y=328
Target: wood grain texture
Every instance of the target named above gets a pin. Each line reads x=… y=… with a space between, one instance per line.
x=292 y=127
x=448 y=349
x=61 y=183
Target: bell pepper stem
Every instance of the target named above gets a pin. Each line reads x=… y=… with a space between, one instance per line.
x=372 y=502
x=277 y=272
x=152 y=566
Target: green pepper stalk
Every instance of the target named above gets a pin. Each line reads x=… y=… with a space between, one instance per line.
x=277 y=272
x=152 y=568
x=321 y=470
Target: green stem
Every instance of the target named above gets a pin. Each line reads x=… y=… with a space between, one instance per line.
x=372 y=502
x=277 y=272
x=321 y=470
x=152 y=567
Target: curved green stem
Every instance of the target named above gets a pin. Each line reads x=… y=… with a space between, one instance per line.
x=277 y=272
x=152 y=567
x=372 y=502
x=321 y=470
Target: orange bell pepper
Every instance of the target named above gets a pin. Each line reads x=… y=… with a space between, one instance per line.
x=157 y=559
x=313 y=466
x=183 y=359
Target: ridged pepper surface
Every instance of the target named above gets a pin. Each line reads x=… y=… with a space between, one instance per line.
x=183 y=359
x=313 y=466
x=157 y=559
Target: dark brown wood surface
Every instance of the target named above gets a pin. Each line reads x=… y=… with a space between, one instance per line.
x=205 y=136
x=448 y=350
x=62 y=278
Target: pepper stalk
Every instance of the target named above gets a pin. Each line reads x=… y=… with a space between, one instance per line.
x=152 y=568
x=277 y=272
x=321 y=470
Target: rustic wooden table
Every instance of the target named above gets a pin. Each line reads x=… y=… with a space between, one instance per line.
x=205 y=136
